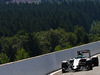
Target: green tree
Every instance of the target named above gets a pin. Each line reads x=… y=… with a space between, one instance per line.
x=68 y=45
x=21 y=54
x=6 y=45
x=82 y=36
x=43 y=42
x=95 y=27
x=4 y=58
x=31 y=45
x=58 y=48
x=53 y=38
x=94 y=37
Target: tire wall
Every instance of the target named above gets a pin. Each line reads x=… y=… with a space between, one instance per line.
x=42 y=65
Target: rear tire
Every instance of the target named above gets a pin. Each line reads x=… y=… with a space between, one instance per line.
x=89 y=65
x=95 y=61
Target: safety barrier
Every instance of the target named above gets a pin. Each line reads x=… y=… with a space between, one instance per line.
x=42 y=65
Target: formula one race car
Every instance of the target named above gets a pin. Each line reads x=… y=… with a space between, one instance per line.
x=82 y=61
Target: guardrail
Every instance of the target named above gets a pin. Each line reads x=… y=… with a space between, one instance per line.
x=42 y=65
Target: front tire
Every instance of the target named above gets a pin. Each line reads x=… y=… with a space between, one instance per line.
x=64 y=66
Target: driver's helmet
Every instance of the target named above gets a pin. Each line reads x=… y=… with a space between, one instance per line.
x=79 y=54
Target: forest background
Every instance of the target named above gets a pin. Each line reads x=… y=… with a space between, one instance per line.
x=32 y=29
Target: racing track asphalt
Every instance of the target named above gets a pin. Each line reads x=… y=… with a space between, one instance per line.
x=95 y=71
